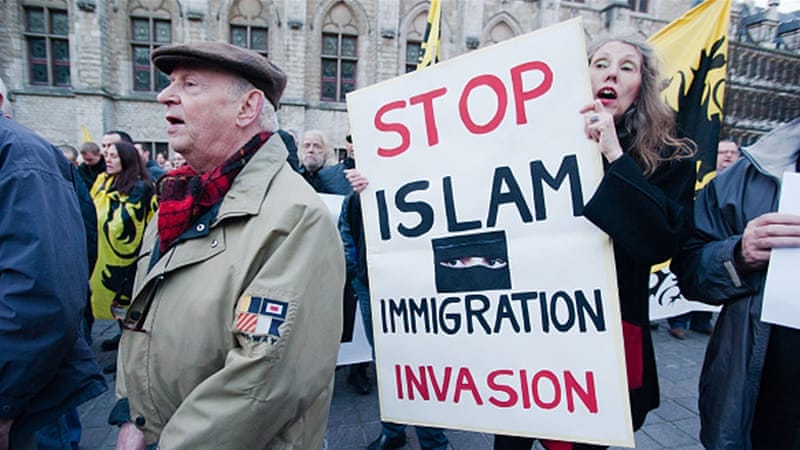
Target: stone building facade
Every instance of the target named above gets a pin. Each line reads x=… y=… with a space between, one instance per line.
x=69 y=63
x=762 y=92
x=74 y=63
x=763 y=79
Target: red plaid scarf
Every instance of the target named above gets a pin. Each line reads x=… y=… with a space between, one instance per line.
x=184 y=195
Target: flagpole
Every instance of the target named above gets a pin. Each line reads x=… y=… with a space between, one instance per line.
x=431 y=42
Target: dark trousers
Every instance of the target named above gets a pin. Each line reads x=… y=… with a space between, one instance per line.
x=502 y=442
x=776 y=424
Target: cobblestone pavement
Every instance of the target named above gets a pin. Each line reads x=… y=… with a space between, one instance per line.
x=354 y=419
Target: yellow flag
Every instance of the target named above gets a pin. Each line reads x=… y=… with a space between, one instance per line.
x=694 y=56
x=85 y=136
x=431 y=43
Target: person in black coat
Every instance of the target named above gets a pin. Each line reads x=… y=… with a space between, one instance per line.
x=46 y=367
x=643 y=202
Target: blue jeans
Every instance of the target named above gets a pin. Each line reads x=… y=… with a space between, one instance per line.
x=700 y=321
x=429 y=438
x=362 y=296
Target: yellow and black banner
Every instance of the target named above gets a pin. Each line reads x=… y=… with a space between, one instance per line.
x=431 y=43
x=694 y=56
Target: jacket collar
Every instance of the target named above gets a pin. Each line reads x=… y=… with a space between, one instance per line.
x=253 y=181
x=777 y=151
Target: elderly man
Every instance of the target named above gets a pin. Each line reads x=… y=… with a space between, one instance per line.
x=315 y=153
x=231 y=338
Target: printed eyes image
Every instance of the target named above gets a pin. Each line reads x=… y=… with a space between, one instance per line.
x=472 y=261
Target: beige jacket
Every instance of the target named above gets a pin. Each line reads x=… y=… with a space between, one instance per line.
x=240 y=324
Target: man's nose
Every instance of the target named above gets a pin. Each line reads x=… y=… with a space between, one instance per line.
x=166 y=95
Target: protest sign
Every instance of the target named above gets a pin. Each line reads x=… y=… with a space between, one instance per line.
x=494 y=301
x=780 y=304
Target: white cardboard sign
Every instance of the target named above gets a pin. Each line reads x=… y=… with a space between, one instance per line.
x=494 y=301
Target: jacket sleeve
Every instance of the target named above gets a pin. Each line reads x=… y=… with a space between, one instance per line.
x=705 y=266
x=346 y=232
x=88 y=215
x=43 y=275
x=649 y=218
x=333 y=181
x=283 y=377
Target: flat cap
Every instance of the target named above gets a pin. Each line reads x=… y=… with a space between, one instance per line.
x=248 y=64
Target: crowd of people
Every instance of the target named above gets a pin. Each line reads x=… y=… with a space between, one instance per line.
x=233 y=289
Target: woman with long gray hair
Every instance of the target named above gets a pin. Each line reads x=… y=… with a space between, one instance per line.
x=644 y=201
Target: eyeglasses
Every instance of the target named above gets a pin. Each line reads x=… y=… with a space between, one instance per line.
x=349 y=139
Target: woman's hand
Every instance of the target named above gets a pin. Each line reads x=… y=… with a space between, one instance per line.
x=357 y=181
x=599 y=127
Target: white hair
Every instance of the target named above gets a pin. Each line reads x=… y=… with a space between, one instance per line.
x=327 y=151
x=269 y=117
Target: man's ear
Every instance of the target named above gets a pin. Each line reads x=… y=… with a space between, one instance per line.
x=250 y=108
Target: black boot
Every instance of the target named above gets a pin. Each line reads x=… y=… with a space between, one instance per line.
x=386 y=443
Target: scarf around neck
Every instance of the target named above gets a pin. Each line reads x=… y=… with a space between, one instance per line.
x=185 y=195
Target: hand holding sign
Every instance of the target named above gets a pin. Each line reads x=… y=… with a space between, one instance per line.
x=357 y=181
x=764 y=233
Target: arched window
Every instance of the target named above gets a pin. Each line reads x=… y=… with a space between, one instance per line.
x=414 y=36
x=339 y=56
x=47 y=40
x=249 y=26
x=151 y=27
x=499 y=32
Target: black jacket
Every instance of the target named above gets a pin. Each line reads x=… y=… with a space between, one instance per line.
x=89 y=173
x=648 y=219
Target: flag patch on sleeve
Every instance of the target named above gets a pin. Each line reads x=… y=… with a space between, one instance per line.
x=260 y=316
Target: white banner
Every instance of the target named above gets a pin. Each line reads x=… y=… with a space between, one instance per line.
x=494 y=301
x=666 y=299
x=357 y=349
